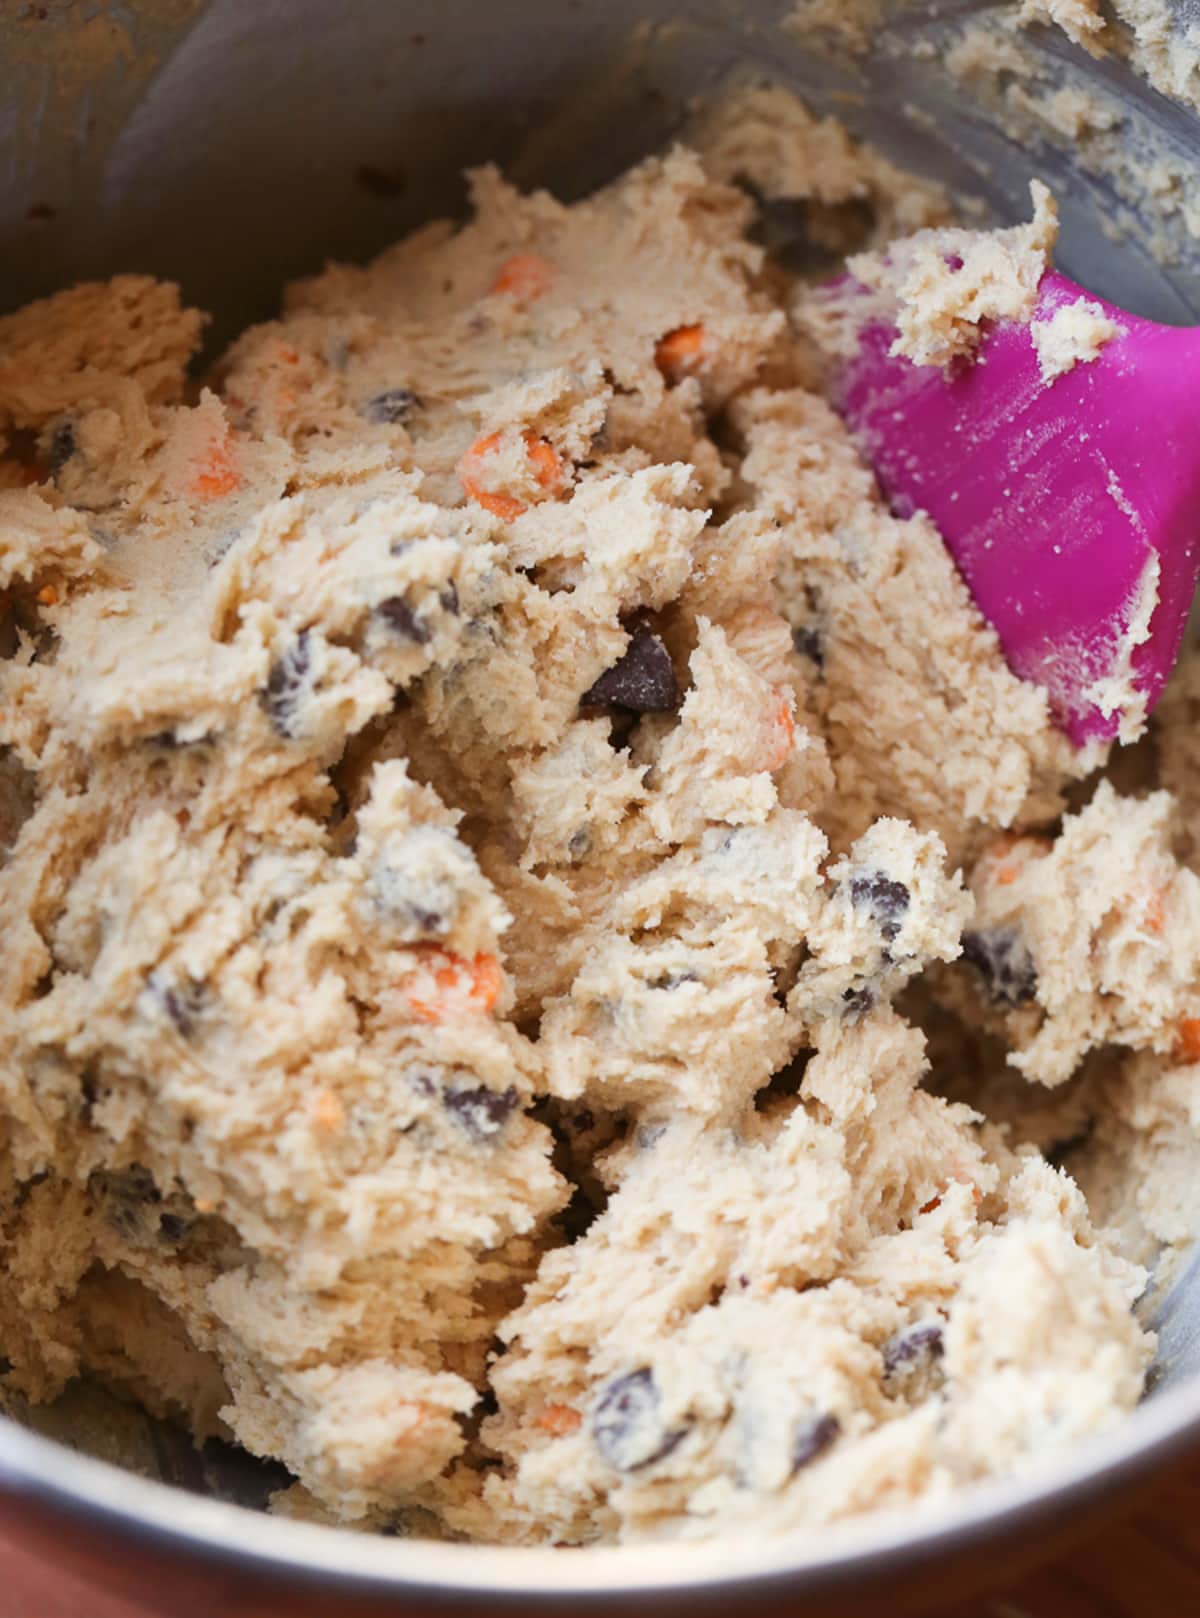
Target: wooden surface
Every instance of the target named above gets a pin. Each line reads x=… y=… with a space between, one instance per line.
x=1146 y=1565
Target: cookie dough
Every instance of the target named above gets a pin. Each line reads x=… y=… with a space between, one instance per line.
x=554 y=981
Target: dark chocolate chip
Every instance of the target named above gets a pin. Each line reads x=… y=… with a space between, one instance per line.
x=62 y=446
x=126 y=1195
x=391 y=407
x=813 y=1438
x=914 y=1348
x=626 y=1424
x=1000 y=955
x=856 y=1003
x=885 y=899
x=403 y=621
x=174 y=1228
x=448 y=596
x=807 y=641
x=136 y=1208
x=183 y=1003
x=642 y=680
x=672 y=980
x=483 y=1113
x=285 y=686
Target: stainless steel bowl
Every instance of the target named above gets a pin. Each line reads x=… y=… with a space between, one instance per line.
x=233 y=144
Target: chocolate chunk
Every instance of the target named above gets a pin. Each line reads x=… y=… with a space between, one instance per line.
x=403 y=621
x=127 y=1196
x=429 y=921
x=136 y=1208
x=913 y=1349
x=672 y=980
x=626 y=1424
x=642 y=681
x=390 y=408
x=813 y=1438
x=884 y=899
x=1000 y=955
x=448 y=597
x=856 y=1003
x=62 y=446
x=285 y=686
x=483 y=1113
x=174 y=1228
x=807 y=641
x=183 y=1003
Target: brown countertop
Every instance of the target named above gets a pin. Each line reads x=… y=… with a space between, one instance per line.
x=1146 y=1564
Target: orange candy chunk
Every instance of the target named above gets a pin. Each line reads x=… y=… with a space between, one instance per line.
x=543 y=461
x=679 y=352
x=524 y=276
x=559 y=1420
x=450 y=984
x=215 y=476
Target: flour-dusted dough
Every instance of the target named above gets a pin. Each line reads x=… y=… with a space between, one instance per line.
x=489 y=793
x=1074 y=334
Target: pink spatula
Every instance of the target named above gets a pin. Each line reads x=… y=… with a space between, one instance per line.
x=1072 y=508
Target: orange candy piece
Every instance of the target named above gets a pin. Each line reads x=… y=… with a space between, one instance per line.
x=546 y=466
x=216 y=475
x=783 y=731
x=1187 y=1045
x=328 y=1113
x=524 y=276
x=1156 y=913
x=452 y=983
x=679 y=352
x=559 y=1420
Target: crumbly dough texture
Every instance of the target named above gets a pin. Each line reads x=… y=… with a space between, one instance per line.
x=1073 y=335
x=512 y=854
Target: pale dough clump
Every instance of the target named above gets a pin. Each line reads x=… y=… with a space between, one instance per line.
x=938 y=287
x=508 y=846
x=1074 y=334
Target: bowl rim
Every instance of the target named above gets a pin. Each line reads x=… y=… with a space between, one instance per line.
x=71 y=1485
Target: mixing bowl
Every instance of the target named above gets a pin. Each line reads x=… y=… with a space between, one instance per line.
x=231 y=145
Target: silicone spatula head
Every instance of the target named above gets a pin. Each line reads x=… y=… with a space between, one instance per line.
x=1072 y=506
